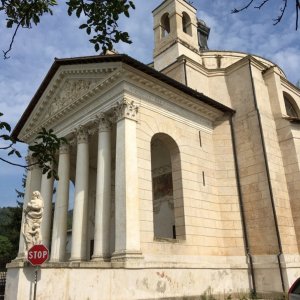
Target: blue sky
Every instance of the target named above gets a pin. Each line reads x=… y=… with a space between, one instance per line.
x=58 y=36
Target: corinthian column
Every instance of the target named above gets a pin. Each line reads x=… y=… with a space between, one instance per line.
x=59 y=231
x=79 y=230
x=47 y=193
x=127 y=237
x=103 y=191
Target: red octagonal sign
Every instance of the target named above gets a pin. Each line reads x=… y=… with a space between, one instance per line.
x=38 y=254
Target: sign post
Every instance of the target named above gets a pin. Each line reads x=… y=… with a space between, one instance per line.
x=37 y=255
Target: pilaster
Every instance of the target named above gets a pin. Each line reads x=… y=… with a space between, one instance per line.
x=127 y=238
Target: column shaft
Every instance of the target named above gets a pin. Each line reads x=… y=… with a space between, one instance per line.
x=47 y=193
x=59 y=231
x=103 y=193
x=79 y=230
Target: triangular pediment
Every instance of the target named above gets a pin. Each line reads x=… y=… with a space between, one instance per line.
x=70 y=90
x=65 y=92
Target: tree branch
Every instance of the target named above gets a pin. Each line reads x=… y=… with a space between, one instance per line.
x=297 y=12
x=7 y=147
x=14 y=164
x=262 y=4
x=12 y=41
x=235 y=10
x=282 y=9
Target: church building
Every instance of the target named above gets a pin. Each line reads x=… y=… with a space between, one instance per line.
x=186 y=172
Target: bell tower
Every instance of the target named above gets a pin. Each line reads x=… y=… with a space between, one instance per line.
x=175 y=32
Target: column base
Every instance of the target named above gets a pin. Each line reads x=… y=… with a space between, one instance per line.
x=101 y=258
x=77 y=259
x=126 y=258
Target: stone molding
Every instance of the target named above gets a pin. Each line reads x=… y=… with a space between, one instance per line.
x=163 y=95
x=126 y=109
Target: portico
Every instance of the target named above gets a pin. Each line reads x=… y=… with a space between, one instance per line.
x=123 y=117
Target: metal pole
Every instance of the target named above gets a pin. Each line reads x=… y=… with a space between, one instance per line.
x=35 y=281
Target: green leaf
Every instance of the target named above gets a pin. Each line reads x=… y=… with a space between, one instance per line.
x=78 y=12
x=5 y=137
x=36 y=19
x=18 y=153
x=9 y=23
x=5 y=125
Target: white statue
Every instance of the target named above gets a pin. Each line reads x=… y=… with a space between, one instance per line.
x=33 y=213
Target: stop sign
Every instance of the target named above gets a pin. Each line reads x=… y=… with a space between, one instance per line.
x=38 y=254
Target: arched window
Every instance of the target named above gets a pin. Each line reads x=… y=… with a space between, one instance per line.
x=165 y=25
x=166 y=188
x=186 y=23
x=290 y=106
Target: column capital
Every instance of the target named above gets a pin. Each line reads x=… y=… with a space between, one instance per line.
x=125 y=109
x=103 y=122
x=82 y=135
x=32 y=162
x=64 y=148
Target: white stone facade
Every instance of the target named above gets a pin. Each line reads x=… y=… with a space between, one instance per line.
x=180 y=186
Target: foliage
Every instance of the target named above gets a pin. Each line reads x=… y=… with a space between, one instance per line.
x=5 y=248
x=10 y=224
x=21 y=194
x=43 y=150
x=282 y=9
x=100 y=18
x=24 y=13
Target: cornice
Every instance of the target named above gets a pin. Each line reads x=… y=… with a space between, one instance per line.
x=165 y=92
x=291 y=87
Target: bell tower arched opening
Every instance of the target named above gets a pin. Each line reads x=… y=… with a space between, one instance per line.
x=165 y=25
x=186 y=24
